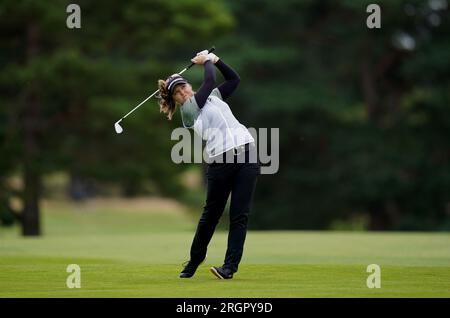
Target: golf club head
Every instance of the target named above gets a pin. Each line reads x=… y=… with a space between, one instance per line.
x=118 y=128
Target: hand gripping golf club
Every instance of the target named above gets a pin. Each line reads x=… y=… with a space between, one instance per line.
x=119 y=128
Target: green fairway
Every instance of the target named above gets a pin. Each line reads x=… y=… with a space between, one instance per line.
x=139 y=254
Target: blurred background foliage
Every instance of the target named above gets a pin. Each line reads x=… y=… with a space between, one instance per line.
x=362 y=112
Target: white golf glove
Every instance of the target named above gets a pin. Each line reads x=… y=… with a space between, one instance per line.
x=213 y=58
x=210 y=56
x=204 y=52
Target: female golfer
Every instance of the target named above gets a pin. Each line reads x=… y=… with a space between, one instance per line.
x=232 y=163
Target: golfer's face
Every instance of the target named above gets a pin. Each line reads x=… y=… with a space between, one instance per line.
x=182 y=93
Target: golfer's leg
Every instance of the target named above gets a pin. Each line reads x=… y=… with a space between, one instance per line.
x=241 y=196
x=218 y=190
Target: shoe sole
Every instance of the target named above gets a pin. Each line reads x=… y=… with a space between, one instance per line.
x=196 y=270
x=216 y=273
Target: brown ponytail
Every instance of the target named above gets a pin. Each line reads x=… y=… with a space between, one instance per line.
x=166 y=103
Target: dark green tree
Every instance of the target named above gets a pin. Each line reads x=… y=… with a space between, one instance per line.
x=64 y=88
x=361 y=111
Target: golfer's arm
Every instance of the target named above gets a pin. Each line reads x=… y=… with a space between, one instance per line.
x=232 y=79
x=209 y=82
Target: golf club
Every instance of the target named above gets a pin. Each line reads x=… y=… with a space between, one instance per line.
x=117 y=125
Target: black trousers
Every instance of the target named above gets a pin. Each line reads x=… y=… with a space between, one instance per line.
x=239 y=179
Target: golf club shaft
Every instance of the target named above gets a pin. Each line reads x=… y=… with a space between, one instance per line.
x=184 y=70
x=140 y=104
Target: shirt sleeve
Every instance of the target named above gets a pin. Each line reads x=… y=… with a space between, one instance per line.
x=209 y=82
x=232 y=79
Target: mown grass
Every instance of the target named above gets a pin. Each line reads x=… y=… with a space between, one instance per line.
x=126 y=253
